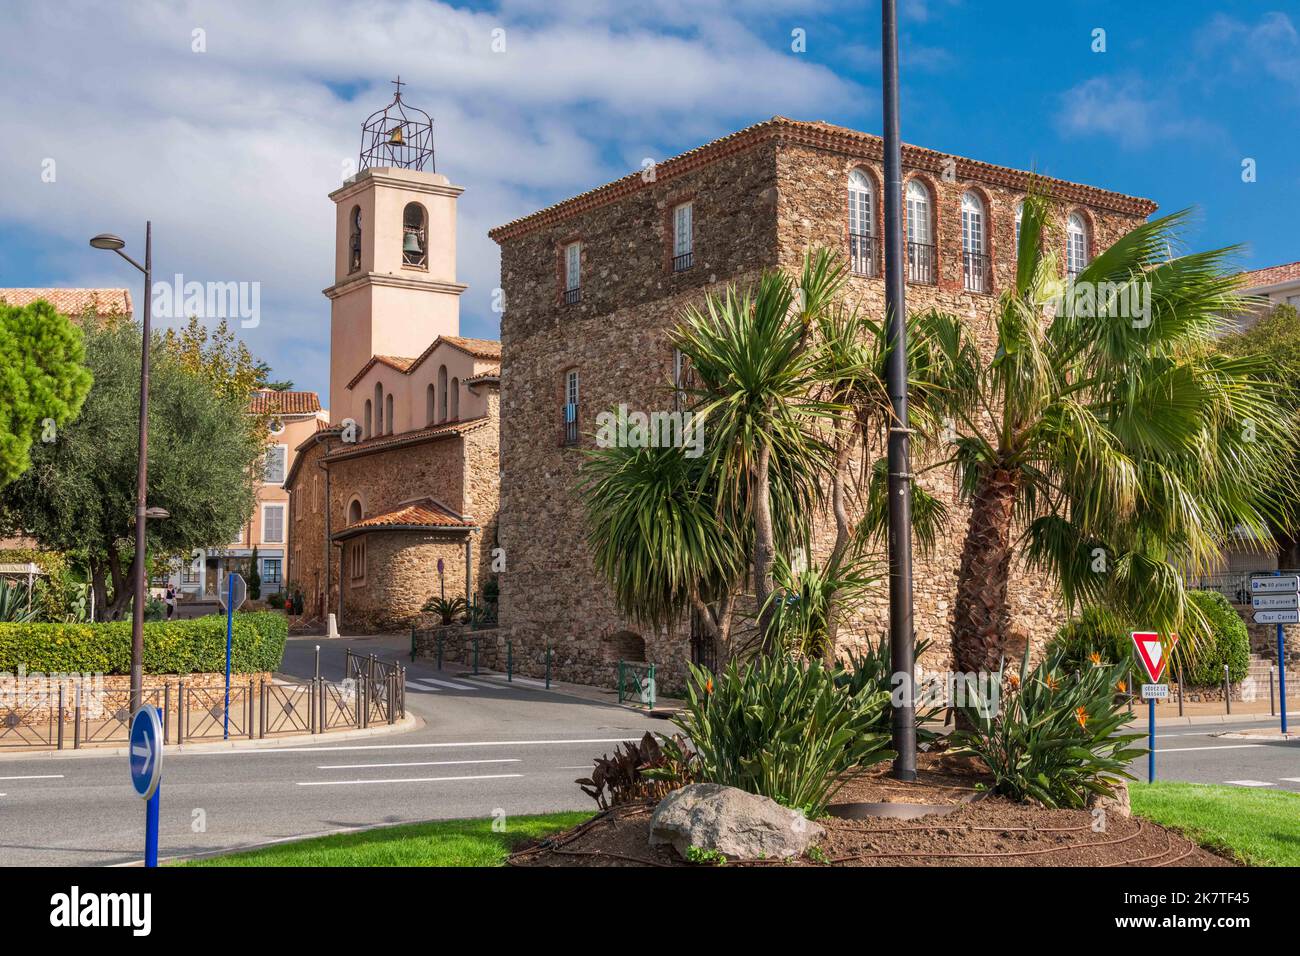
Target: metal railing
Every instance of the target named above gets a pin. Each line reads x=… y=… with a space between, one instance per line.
x=572 y=296
x=864 y=255
x=1234 y=585
x=975 y=271
x=920 y=263
x=570 y=435
x=683 y=262
x=636 y=682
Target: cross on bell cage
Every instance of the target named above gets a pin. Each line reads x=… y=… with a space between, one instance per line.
x=398 y=136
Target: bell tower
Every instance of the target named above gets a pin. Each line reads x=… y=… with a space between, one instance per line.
x=395 y=287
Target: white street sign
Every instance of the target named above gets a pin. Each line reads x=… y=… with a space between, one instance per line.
x=1277 y=617
x=1285 y=582
x=1155 y=691
x=1274 y=602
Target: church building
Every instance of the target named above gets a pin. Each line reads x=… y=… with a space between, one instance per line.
x=395 y=499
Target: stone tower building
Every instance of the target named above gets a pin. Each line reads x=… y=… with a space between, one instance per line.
x=593 y=284
x=395 y=500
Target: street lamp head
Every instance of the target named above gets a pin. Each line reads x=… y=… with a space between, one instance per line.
x=157 y=514
x=106 y=240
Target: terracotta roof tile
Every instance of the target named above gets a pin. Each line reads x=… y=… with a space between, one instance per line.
x=410 y=437
x=493 y=372
x=1273 y=275
x=74 y=302
x=819 y=135
x=422 y=513
x=267 y=401
x=397 y=362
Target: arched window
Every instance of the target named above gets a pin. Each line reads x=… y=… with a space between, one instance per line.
x=388 y=411
x=974 y=253
x=1076 y=244
x=1020 y=214
x=455 y=399
x=430 y=405
x=920 y=234
x=354 y=240
x=365 y=423
x=379 y=408
x=862 y=240
x=354 y=511
x=442 y=393
x=414 y=244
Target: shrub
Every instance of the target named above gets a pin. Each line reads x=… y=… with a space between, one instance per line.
x=640 y=771
x=1229 y=643
x=782 y=730
x=871 y=670
x=170 y=647
x=254 y=581
x=1052 y=736
x=1095 y=631
x=447 y=610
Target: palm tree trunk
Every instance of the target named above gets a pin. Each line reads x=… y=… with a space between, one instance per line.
x=981 y=617
x=764 y=547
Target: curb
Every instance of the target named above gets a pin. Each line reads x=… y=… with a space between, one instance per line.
x=409 y=722
x=1205 y=719
x=496 y=677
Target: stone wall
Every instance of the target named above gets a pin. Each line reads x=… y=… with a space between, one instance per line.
x=754 y=208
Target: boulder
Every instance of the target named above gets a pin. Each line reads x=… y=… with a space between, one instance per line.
x=741 y=825
x=1117 y=803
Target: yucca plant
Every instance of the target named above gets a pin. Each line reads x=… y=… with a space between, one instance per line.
x=781 y=729
x=871 y=671
x=806 y=600
x=447 y=609
x=16 y=605
x=1051 y=735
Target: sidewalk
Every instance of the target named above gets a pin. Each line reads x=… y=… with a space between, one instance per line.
x=665 y=707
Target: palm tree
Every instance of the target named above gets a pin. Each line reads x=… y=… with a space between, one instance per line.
x=1121 y=448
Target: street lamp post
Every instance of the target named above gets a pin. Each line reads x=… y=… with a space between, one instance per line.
x=901 y=642
x=138 y=570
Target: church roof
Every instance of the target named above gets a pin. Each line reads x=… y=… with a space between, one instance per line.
x=74 y=302
x=397 y=362
x=485 y=376
x=268 y=401
x=423 y=514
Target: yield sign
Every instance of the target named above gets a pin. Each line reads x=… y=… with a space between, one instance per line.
x=1151 y=652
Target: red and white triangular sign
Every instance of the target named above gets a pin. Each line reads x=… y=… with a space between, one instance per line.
x=1151 y=652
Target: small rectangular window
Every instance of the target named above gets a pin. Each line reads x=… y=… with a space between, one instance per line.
x=572 y=272
x=571 y=408
x=273 y=524
x=683 y=237
x=270 y=570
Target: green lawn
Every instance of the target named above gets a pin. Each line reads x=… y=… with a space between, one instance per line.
x=438 y=843
x=1260 y=827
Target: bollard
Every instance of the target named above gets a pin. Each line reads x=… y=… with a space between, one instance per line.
x=476 y=655
x=412 y=645
x=317 y=662
x=1272 y=704
x=1227 y=690
x=76 y=716
x=60 y=716
x=548 y=666
x=439 y=652
x=510 y=660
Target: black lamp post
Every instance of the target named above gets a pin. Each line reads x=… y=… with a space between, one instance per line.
x=901 y=642
x=138 y=570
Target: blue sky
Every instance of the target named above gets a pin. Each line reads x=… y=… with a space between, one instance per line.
x=227 y=123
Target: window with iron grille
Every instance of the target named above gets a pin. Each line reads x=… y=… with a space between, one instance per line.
x=974 y=258
x=1076 y=244
x=572 y=272
x=862 y=241
x=571 y=407
x=683 y=237
x=920 y=235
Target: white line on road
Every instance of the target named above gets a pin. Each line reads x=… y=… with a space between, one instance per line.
x=417 y=763
x=1249 y=783
x=343 y=783
x=1175 y=750
x=632 y=735
x=420 y=688
x=1291 y=779
x=451 y=685
x=36 y=776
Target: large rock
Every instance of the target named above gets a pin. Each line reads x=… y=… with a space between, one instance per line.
x=742 y=825
x=1117 y=803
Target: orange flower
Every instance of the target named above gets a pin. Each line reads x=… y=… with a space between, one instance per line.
x=708 y=686
x=1051 y=682
x=1013 y=679
x=1081 y=715
x=1122 y=687
x=1095 y=657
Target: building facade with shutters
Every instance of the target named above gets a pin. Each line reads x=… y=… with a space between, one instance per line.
x=593 y=284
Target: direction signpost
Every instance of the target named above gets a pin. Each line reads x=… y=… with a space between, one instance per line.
x=1151 y=654
x=1276 y=600
x=236 y=592
x=145 y=754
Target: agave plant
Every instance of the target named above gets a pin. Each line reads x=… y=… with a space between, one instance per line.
x=447 y=609
x=16 y=605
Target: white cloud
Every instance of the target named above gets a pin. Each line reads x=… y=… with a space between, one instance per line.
x=231 y=151
x=1123 y=112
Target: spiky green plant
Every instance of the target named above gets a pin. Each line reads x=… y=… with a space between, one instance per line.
x=16 y=604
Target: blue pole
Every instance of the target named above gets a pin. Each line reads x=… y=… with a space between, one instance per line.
x=1281 y=671
x=230 y=618
x=1151 y=752
x=151 y=828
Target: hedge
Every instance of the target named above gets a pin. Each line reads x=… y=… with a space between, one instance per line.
x=1229 y=644
x=190 y=646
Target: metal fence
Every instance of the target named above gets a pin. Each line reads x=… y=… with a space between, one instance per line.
x=372 y=692
x=636 y=682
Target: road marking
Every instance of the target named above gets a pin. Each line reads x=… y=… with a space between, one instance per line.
x=346 y=783
x=632 y=736
x=417 y=763
x=1292 y=779
x=1176 y=750
x=1249 y=783
x=446 y=683
x=36 y=776
x=420 y=688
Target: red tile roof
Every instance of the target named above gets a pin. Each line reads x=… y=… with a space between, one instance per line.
x=821 y=136
x=1273 y=275
x=440 y=430
x=267 y=401
x=493 y=372
x=74 y=302
x=423 y=513
x=397 y=362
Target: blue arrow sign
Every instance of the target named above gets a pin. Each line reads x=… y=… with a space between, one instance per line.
x=145 y=752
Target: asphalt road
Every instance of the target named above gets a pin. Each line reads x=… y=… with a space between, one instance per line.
x=484 y=750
